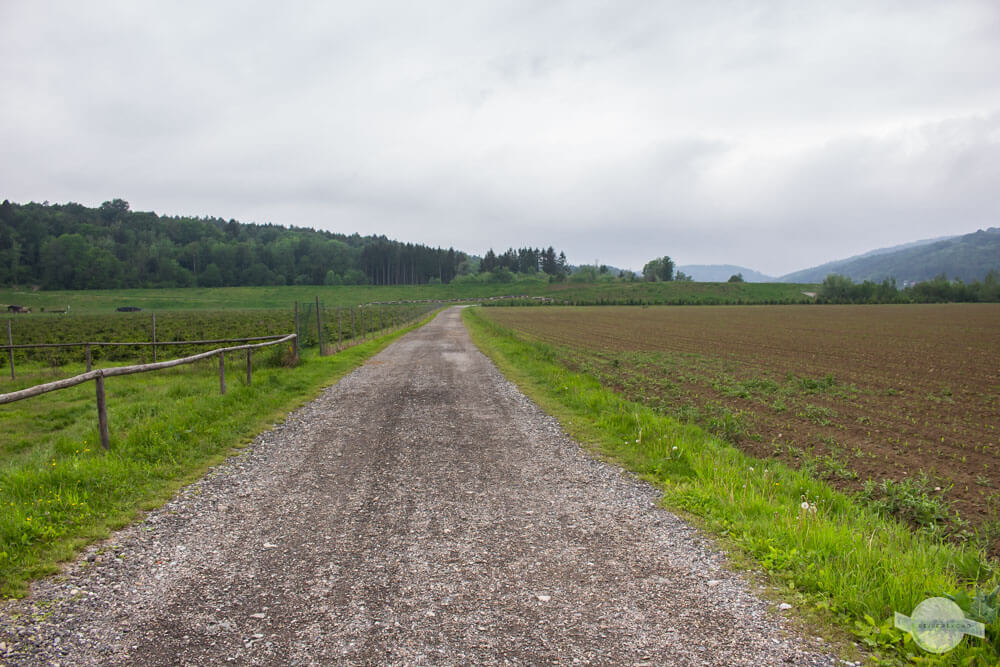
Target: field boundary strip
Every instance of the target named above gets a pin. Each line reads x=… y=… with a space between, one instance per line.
x=98 y=377
x=138 y=343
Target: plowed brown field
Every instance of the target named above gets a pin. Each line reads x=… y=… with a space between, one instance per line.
x=852 y=392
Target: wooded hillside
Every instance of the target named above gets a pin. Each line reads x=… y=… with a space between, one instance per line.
x=968 y=258
x=71 y=246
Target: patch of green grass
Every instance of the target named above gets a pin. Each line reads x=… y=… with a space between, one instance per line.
x=815 y=385
x=242 y=298
x=844 y=561
x=338 y=325
x=834 y=467
x=725 y=423
x=818 y=414
x=246 y=298
x=59 y=490
x=909 y=500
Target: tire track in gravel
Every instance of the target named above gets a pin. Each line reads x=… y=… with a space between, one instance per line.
x=421 y=511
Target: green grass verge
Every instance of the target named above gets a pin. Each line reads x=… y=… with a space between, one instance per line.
x=60 y=491
x=836 y=560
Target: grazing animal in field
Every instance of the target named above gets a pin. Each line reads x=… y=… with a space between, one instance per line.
x=128 y=309
x=18 y=309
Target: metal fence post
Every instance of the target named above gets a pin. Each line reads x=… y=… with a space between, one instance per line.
x=90 y=358
x=10 y=349
x=319 y=328
x=222 y=372
x=154 y=338
x=295 y=341
x=249 y=366
x=102 y=413
x=340 y=333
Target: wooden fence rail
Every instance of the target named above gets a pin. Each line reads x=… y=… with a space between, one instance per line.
x=99 y=375
x=88 y=345
x=159 y=343
x=366 y=323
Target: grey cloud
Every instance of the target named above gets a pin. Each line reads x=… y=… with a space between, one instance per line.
x=773 y=134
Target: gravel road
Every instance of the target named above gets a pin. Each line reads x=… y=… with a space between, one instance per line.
x=421 y=511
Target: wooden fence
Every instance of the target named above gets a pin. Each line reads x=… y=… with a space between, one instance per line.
x=327 y=327
x=98 y=375
x=372 y=321
x=336 y=327
x=89 y=345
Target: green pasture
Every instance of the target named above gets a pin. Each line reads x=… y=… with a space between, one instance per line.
x=338 y=325
x=284 y=298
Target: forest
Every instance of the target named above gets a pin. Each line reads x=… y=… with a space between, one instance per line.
x=71 y=246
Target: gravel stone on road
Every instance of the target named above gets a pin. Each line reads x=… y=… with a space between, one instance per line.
x=420 y=511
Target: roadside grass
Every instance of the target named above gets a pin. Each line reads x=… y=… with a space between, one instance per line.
x=60 y=491
x=837 y=561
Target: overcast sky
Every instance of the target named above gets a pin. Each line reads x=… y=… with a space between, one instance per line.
x=774 y=135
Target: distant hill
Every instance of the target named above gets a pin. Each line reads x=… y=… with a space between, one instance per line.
x=720 y=273
x=969 y=257
x=902 y=246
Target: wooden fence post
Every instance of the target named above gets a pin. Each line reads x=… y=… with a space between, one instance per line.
x=222 y=372
x=249 y=367
x=352 y=325
x=90 y=358
x=295 y=342
x=319 y=328
x=154 y=338
x=340 y=334
x=10 y=349
x=102 y=413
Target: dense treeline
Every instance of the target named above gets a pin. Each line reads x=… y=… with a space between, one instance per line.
x=71 y=246
x=526 y=260
x=840 y=289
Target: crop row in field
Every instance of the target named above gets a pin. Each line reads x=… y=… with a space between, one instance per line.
x=898 y=403
x=338 y=324
x=282 y=298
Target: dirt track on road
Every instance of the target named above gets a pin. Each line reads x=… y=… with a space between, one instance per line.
x=421 y=511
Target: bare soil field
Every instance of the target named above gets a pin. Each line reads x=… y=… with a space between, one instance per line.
x=855 y=393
